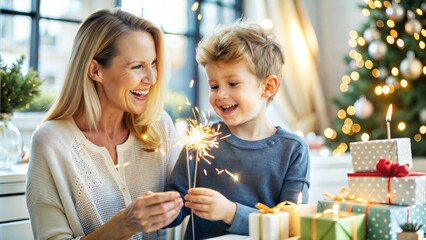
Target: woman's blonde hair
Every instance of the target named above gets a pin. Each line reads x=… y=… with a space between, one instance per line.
x=243 y=42
x=96 y=39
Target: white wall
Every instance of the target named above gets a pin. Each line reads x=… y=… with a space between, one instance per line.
x=332 y=21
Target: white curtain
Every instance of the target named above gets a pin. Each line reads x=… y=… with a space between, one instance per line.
x=300 y=99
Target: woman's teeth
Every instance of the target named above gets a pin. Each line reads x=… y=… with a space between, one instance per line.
x=139 y=92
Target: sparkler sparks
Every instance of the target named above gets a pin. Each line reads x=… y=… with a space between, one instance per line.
x=200 y=138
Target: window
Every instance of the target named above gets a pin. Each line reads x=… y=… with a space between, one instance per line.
x=43 y=31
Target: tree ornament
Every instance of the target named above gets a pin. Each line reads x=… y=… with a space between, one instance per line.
x=391 y=80
x=422 y=115
x=371 y=34
x=377 y=49
x=395 y=12
x=411 y=67
x=384 y=72
x=363 y=108
x=412 y=25
x=353 y=65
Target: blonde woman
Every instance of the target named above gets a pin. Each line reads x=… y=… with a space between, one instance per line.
x=105 y=146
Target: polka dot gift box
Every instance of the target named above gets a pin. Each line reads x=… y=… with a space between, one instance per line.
x=382 y=221
x=376 y=188
x=365 y=155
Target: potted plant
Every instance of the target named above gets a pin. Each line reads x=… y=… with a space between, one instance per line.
x=411 y=231
x=18 y=91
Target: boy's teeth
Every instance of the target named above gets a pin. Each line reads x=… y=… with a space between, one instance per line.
x=228 y=106
x=140 y=92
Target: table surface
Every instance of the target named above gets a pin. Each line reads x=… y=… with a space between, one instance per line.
x=18 y=173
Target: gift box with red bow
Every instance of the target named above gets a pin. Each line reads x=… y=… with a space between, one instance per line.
x=392 y=184
x=365 y=155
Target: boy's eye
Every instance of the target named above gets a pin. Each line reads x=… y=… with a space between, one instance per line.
x=137 y=67
x=233 y=84
x=154 y=62
x=214 y=87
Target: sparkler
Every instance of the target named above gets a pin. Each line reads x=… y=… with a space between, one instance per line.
x=200 y=138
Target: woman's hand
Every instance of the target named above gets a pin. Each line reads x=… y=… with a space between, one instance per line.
x=211 y=205
x=151 y=211
x=148 y=213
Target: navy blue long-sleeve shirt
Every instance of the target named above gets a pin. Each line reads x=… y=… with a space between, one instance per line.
x=269 y=171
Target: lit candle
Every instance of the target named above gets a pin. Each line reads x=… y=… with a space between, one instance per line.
x=335 y=211
x=388 y=119
x=296 y=211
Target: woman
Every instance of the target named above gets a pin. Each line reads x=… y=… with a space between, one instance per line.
x=106 y=144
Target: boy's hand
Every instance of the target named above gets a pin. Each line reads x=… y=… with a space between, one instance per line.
x=210 y=204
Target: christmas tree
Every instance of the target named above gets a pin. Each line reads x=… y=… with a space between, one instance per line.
x=385 y=66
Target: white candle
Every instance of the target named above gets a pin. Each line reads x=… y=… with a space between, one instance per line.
x=388 y=119
x=296 y=211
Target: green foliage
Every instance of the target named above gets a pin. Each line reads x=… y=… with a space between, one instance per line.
x=408 y=102
x=17 y=90
x=411 y=227
x=42 y=103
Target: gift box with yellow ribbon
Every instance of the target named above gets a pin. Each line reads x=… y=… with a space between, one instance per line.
x=382 y=221
x=333 y=224
x=268 y=223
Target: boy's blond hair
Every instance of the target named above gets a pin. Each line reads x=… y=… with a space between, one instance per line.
x=243 y=42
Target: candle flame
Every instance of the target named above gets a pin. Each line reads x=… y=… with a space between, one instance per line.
x=335 y=209
x=389 y=114
x=299 y=198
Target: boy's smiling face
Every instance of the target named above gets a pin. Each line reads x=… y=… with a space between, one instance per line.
x=236 y=94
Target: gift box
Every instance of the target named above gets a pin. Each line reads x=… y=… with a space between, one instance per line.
x=273 y=226
x=376 y=188
x=365 y=155
x=382 y=221
x=340 y=226
x=296 y=211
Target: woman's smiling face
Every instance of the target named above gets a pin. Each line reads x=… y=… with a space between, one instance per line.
x=126 y=82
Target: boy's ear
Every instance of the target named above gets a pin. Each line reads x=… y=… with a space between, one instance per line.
x=271 y=83
x=93 y=72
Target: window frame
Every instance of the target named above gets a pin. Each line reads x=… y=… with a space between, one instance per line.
x=193 y=34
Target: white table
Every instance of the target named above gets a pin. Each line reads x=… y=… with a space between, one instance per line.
x=14 y=217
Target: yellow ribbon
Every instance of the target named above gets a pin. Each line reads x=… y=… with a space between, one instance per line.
x=265 y=209
x=343 y=195
x=329 y=212
x=275 y=210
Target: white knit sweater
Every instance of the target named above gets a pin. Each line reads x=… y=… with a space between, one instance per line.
x=74 y=188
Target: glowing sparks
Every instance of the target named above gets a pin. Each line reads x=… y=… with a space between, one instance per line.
x=200 y=138
x=205 y=172
x=187 y=102
x=119 y=165
x=219 y=171
x=235 y=177
x=191 y=83
x=195 y=6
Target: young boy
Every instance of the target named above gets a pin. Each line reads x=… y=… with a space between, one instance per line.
x=243 y=64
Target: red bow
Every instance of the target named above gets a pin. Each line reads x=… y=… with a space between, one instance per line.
x=391 y=169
